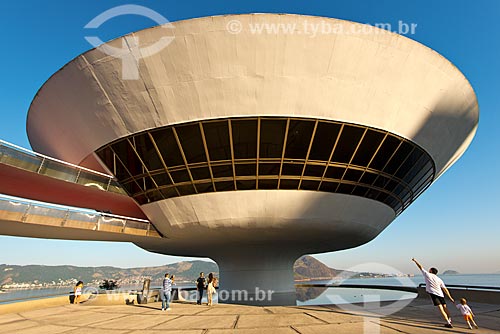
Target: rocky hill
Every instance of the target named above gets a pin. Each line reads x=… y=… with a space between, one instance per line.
x=308 y=267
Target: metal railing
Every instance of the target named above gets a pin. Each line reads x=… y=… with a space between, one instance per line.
x=467 y=287
x=40 y=213
x=361 y=286
x=22 y=158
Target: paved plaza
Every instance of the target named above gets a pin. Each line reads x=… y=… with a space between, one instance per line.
x=186 y=318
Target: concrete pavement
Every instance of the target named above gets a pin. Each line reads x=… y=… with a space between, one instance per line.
x=185 y=318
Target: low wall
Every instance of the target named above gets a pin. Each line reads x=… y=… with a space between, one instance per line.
x=87 y=300
x=110 y=298
x=472 y=296
x=36 y=304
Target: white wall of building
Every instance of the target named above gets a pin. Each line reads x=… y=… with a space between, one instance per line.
x=382 y=80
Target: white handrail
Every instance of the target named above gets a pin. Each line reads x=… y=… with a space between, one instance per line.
x=68 y=208
x=53 y=159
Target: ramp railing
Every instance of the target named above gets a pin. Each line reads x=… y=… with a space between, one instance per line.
x=25 y=159
x=34 y=212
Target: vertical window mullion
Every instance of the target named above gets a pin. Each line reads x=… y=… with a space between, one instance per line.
x=308 y=152
x=282 y=153
x=207 y=153
x=179 y=145
x=331 y=155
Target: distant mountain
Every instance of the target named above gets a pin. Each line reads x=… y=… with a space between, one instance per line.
x=305 y=268
x=184 y=271
x=308 y=267
x=450 y=272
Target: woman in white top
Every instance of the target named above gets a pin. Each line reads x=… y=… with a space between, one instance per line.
x=212 y=284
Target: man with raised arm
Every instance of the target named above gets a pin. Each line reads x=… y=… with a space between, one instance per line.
x=435 y=287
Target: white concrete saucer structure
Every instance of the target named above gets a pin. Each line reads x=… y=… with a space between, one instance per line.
x=256 y=148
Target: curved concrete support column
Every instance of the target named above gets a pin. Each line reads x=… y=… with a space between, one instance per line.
x=257 y=276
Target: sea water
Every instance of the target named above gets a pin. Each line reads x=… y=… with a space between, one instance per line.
x=490 y=280
x=322 y=296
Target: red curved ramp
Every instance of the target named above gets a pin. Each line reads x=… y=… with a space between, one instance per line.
x=30 y=185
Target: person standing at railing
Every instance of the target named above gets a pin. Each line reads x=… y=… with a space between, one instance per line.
x=435 y=287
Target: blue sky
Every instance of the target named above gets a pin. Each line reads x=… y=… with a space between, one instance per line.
x=454 y=225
